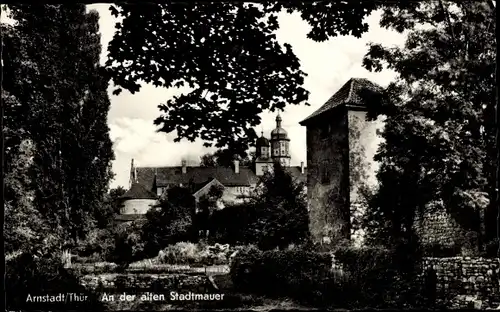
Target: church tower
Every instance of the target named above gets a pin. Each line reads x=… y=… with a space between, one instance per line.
x=280 y=143
x=262 y=155
x=262 y=147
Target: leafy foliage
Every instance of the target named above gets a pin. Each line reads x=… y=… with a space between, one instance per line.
x=128 y=244
x=233 y=224
x=233 y=65
x=58 y=151
x=40 y=276
x=111 y=205
x=439 y=134
x=298 y=274
x=171 y=221
x=195 y=254
x=99 y=245
x=24 y=225
x=274 y=216
x=63 y=91
x=206 y=206
x=225 y=158
x=281 y=211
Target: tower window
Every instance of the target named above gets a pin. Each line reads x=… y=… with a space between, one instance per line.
x=325 y=177
x=325 y=172
x=325 y=131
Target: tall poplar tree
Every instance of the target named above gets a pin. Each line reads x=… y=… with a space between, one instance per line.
x=51 y=66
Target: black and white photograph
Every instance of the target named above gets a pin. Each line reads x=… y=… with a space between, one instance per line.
x=250 y=156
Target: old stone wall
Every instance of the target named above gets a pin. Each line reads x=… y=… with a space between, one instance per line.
x=327 y=177
x=147 y=282
x=437 y=227
x=459 y=279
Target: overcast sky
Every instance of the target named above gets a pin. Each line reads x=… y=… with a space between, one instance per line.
x=328 y=65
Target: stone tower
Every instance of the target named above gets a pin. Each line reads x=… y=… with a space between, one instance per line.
x=341 y=145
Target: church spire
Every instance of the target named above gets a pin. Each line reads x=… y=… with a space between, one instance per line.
x=278 y=121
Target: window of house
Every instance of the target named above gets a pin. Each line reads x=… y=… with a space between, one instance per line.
x=265 y=168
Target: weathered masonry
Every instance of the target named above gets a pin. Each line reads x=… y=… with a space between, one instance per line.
x=341 y=145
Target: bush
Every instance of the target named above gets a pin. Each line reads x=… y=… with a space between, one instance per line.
x=302 y=275
x=171 y=221
x=33 y=275
x=232 y=225
x=275 y=216
x=128 y=245
x=97 y=246
x=195 y=254
x=491 y=248
x=356 y=278
x=377 y=277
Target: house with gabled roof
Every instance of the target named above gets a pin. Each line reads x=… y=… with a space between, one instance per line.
x=237 y=181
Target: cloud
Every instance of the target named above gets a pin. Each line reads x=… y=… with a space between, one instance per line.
x=328 y=64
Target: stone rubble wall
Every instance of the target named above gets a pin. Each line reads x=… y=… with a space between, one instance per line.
x=147 y=282
x=460 y=278
x=438 y=228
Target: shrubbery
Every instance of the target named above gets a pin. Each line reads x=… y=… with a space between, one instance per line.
x=170 y=222
x=299 y=274
x=99 y=245
x=28 y=274
x=233 y=224
x=357 y=277
x=375 y=278
x=274 y=217
x=195 y=254
x=129 y=245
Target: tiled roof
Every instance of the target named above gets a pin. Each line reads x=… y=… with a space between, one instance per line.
x=199 y=186
x=174 y=176
x=205 y=187
x=350 y=93
x=138 y=191
x=200 y=176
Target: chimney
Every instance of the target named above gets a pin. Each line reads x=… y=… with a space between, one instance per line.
x=302 y=167
x=133 y=173
x=184 y=164
x=236 y=166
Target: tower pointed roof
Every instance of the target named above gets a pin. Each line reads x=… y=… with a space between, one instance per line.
x=351 y=93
